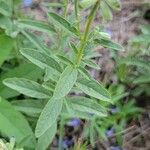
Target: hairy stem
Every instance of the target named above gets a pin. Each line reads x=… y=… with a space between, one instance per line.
x=87 y=30
x=66 y=2
x=77 y=14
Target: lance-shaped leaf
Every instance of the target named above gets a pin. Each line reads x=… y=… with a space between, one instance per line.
x=84 y=72
x=66 y=81
x=35 y=25
x=41 y=59
x=142 y=79
x=63 y=23
x=47 y=137
x=33 y=39
x=64 y=60
x=30 y=107
x=135 y=62
x=91 y=64
x=6 y=45
x=109 y=44
x=6 y=7
x=87 y=105
x=13 y=123
x=48 y=116
x=27 y=87
x=93 y=88
x=114 y=4
x=24 y=70
x=106 y=12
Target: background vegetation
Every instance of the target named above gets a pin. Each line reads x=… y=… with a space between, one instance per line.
x=74 y=74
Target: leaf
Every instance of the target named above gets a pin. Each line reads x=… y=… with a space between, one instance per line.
x=63 y=23
x=84 y=72
x=48 y=116
x=41 y=59
x=87 y=3
x=12 y=123
x=33 y=39
x=6 y=24
x=66 y=82
x=114 y=4
x=92 y=54
x=93 y=88
x=51 y=74
x=106 y=12
x=142 y=79
x=64 y=60
x=26 y=70
x=145 y=29
x=109 y=44
x=47 y=137
x=134 y=62
x=87 y=105
x=6 y=45
x=91 y=64
x=144 y=38
x=29 y=107
x=35 y=25
x=74 y=48
x=6 y=7
x=27 y=87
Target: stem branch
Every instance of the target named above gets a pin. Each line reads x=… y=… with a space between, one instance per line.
x=87 y=30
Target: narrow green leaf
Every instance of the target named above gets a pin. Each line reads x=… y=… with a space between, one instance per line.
x=142 y=79
x=6 y=45
x=41 y=59
x=53 y=4
x=66 y=82
x=87 y=105
x=12 y=123
x=6 y=24
x=47 y=137
x=141 y=38
x=84 y=72
x=24 y=70
x=29 y=107
x=6 y=7
x=106 y=12
x=51 y=74
x=91 y=64
x=92 y=54
x=35 y=25
x=114 y=4
x=109 y=44
x=134 y=62
x=64 y=60
x=27 y=87
x=87 y=3
x=63 y=23
x=33 y=39
x=48 y=116
x=74 y=48
x=93 y=88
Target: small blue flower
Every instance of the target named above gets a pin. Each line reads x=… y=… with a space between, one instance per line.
x=27 y=3
x=67 y=143
x=110 y=132
x=115 y=148
x=109 y=31
x=74 y=122
x=115 y=110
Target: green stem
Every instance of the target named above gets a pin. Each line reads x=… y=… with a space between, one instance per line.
x=87 y=30
x=77 y=14
x=66 y=2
